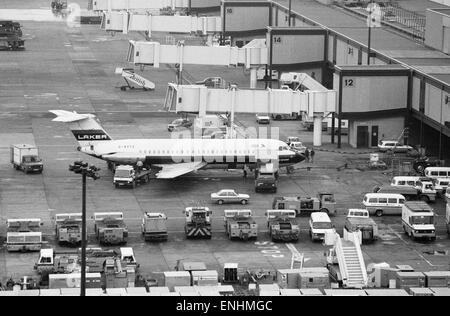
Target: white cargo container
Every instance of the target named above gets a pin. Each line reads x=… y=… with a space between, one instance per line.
x=73 y=280
x=176 y=278
x=201 y=278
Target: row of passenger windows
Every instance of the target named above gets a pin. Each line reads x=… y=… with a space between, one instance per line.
x=198 y=152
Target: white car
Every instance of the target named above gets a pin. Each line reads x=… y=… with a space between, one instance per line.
x=262 y=119
x=292 y=139
x=386 y=145
x=298 y=147
x=229 y=196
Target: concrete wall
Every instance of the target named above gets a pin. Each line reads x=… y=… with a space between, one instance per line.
x=388 y=128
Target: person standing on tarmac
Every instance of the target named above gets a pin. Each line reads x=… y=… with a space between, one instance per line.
x=307 y=154
x=311 y=154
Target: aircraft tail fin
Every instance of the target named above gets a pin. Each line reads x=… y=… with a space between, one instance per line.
x=85 y=127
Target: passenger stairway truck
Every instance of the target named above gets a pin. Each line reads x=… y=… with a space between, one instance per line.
x=26 y=157
x=24 y=234
x=324 y=202
x=110 y=228
x=282 y=225
x=198 y=222
x=348 y=256
x=68 y=228
x=127 y=175
x=359 y=220
x=240 y=224
x=154 y=227
x=266 y=178
x=418 y=220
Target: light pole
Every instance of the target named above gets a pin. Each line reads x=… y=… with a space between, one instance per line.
x=91 y=172
x=371 y=9
x=290 y=12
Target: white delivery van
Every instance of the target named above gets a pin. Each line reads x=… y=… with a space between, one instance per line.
x=320 y=225
x=418 y=220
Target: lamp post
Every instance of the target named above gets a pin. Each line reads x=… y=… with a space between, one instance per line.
x=290 y=12
x=369 y=43
x=85 y=170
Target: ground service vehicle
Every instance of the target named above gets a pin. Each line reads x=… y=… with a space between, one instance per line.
x=441 y=185
x=418 y=220
x=292 y=139
x=279 y=116
x=383 y=203
x=154 y=227
x=358 y=219
x=266 y=178
x=24 y=234
x=320 y=225
x=110 y=228
x=179 y=123
x=11 y=36
x=262 y=119
x=425 y=186
x=198 y=222
x=447 y=217
x=410 y=193
x=26 y=157
x=240 y=224
x=393 y=145
x=229 y=196
x=324 y=202
x=282 y=225
x=298 y=147
x=126 y=175
x=68 y=228
x=421 y=163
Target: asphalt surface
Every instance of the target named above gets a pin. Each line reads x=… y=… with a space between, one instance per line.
x=73 y=69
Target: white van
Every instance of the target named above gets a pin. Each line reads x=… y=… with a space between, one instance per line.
x=383 y=203
x=319 y=225
x=437 y=172
x=441 y=185
x=424 y=185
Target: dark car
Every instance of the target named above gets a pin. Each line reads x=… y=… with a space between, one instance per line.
x=178 y=123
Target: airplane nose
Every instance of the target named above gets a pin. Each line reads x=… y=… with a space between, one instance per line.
x=299 y=157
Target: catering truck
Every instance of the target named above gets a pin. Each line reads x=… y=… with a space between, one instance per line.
x=26 y=158
x=418 y=220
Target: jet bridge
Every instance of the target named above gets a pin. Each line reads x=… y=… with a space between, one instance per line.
x=252 y=56
x=126 y=21
x=111 y=5
x=201 y=99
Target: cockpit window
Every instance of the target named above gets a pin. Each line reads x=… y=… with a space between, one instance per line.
x=281 y=148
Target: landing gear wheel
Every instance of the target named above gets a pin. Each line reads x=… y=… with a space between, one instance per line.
x=220 y=202
x=243 y=202
x=379 y=213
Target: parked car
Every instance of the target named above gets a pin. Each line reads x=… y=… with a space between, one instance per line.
x=229 y=196
x=262 y=119
x=298 y=147
x=178 y=123
x=386 y=145
x=292 y=139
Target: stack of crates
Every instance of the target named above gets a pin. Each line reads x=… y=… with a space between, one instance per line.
x=407 y=280
x=437 y=278
x=314 y=278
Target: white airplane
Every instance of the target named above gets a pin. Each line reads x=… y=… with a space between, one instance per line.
x=175 y=157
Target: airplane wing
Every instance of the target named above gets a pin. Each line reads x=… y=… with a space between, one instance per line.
x=178 y=169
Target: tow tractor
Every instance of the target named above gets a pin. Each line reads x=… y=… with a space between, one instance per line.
x=198 y=222
x=240 y=224
x=68 y=228
x=154 y=227
x=127 y=175
x=24 y=234
x=324 y=202
x=282 y=225
x=110 y=228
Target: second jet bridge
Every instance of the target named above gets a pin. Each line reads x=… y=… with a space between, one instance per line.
x=201 y=99
x=125 y=21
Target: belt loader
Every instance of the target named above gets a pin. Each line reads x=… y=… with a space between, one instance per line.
x=110 y=228
x=240 y=224
x=198 y=222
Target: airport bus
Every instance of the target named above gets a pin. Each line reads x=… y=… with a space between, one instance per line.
x=380 y=204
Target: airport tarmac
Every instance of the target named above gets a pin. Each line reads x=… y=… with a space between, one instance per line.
x=73 y=69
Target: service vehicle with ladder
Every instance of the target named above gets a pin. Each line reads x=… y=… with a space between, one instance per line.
x=282 y=225
x=198 y=222
x=110 y=228
x=324 y=202
x=24 y=234
x=154 y=226
x=68 y=228
x=239 y=224
x=418 y=220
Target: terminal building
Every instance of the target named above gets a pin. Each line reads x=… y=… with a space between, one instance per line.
x=405 y=84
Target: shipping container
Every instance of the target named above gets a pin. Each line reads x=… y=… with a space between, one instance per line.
x=437 y=278
x=176 y=278
x=407 y=280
